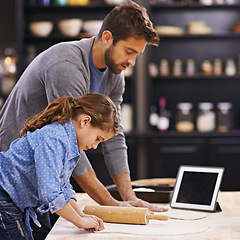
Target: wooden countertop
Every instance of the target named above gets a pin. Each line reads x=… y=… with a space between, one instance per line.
x=222 y=226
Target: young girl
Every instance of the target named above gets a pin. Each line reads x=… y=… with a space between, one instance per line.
x=35 y=171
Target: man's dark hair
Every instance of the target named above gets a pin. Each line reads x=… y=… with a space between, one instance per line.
x=129 y=20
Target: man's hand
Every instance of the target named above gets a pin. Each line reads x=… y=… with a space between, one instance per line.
x=94 y=188
x=151 y=207
x=123 y=183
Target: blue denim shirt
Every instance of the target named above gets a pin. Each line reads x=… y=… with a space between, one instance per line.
x=36 y=169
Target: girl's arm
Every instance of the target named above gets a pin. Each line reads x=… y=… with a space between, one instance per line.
x=72 y=213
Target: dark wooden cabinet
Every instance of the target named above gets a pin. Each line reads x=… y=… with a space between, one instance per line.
x=225 y=152
x=166 y=153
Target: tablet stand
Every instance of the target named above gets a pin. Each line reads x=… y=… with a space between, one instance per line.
x=218 y=208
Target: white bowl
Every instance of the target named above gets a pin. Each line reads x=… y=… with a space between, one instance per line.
x=92 y=27
x=70 y=27
x=114 y=2
x=41 y=28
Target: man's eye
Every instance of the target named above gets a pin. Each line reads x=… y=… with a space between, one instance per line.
x=98 y=139
x=129 y=53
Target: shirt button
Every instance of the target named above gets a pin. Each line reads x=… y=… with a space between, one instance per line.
x=64 y=185
x=62 y=176
x=70 y=168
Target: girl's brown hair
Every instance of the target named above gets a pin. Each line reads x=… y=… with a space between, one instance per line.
x=100 y=108
x=129 y=20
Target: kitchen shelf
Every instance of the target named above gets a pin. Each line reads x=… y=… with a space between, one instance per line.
x=199 y=6
x=39 y=8
x=215 y=36
x=198 y=77
x=174 y=134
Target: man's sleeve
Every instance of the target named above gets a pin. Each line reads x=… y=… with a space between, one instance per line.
x=115 y=149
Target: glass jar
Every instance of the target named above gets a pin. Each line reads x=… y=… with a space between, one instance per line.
x=184 y=117
x=164 y=67
x=190 y=68
x=177 y=67
x=230 y=68
x=206 y=117
x=224 y=116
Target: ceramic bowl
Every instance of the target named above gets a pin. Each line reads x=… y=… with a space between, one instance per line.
x=114 y=2
x=70 y=27
x=41 y=28
x=92 y=27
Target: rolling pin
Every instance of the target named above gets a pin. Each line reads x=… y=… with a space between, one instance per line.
x=113 y=214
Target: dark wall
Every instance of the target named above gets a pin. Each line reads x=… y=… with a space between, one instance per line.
x=7 y=24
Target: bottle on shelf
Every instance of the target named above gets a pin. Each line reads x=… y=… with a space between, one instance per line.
x=164 y=115
x=217 y=66
x=206 y=67
x=164 y=67
x=190 y=68
x=177 y=67
x=152 y=69
x=230 y=69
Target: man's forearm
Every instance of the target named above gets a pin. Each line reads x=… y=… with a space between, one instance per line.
x=123 y=183
x=95 y=189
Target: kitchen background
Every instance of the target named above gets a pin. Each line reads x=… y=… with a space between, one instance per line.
x=181 y=104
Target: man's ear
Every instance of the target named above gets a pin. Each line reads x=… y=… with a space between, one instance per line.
x=85 y=120
x=107 y=37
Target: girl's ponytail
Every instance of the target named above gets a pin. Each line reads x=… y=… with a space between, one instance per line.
x=59 y=110
x=100 y=108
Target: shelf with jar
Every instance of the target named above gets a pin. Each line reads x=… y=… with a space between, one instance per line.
x=196 y=19
x=202 y=4
x=206 y=70
x=44 y=23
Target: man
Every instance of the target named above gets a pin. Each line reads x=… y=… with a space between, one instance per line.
x=79 y=67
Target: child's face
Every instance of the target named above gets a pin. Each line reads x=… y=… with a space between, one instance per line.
x=88 y=136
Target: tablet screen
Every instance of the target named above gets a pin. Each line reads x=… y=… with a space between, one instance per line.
x=196 y=187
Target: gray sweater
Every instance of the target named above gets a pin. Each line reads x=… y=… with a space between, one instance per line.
x=61 y=70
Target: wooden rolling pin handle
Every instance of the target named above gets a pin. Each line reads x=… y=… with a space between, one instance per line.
x=157 y=217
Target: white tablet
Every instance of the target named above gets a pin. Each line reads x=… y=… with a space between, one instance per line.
x=197 y=188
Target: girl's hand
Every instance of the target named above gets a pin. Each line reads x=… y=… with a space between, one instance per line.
x=92 y=223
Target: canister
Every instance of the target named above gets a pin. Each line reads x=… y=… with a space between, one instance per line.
x=224 y=116
x=206 y=117
x=184 y=117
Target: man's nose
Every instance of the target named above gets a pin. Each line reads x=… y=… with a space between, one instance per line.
x=132 y=61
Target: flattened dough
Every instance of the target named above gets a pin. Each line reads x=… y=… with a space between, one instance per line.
x=168 y=228
x=184 y=214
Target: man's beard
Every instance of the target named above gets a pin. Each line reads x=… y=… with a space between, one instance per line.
x=110 y=62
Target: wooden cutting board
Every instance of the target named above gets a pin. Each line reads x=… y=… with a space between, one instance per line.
x=155 y=182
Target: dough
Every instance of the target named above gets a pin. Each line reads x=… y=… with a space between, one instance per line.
x=184 y=214
x=156 y=228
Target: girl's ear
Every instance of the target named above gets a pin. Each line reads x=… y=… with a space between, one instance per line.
x=85 y=120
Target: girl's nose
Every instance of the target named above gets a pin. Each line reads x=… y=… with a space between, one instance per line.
x=94 y=146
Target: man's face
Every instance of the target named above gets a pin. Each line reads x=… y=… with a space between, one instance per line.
x=123 y=54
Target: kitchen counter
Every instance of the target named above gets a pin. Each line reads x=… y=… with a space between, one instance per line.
x=224 y=225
